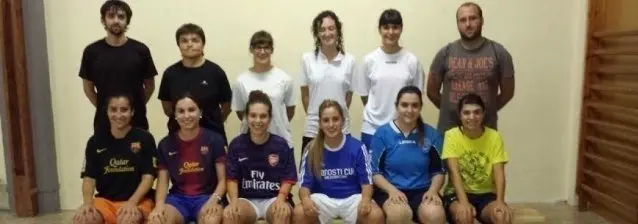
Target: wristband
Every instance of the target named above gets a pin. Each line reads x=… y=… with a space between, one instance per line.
x=219 y=198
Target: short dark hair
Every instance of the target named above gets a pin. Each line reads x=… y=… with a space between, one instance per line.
x=390 y=16
x=190 y=28
x=258 y=96
x=115 y=5
x=468 y=4
x=470 y=98
x=261 y=37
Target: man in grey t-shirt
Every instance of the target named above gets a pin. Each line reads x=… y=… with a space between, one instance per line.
x=472 y=64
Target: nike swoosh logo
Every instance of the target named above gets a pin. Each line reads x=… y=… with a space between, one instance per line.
x=242 y=159
x=100 y=150
x=171 y=153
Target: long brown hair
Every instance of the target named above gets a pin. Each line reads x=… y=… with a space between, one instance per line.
x=315 y=152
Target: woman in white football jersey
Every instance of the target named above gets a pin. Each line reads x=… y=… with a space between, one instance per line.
x=326 y=73
x=384 y=72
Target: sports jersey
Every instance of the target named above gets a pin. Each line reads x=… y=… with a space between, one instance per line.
x=207 y=83
x=279 y=87
x=326 y=80
x=115 y=70
x=381 y=78
x=191 y=164
x=402 y=161
x=476 y=158
x=344 y=169
x=117 y=165
x=260 y=169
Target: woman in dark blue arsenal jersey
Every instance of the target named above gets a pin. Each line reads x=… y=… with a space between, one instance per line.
x=194 y=158
x=261 y=169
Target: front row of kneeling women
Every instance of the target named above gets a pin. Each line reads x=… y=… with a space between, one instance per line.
x=398 y=180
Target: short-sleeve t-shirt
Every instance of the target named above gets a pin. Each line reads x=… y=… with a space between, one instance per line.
x=326 y=80
x=279 y=87
x=381 y=77
x=402 y=161
x=476 y=158
x=207 y=83
x=118 y=69
x=259 y=170
x=191 y=164
x=463 y=71
x=344 y=170
x=118 y=164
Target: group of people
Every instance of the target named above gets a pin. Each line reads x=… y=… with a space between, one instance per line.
x=395 y=173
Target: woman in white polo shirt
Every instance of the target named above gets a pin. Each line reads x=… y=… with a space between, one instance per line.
x=326 y=73
x=276 y=83
x=384 y=72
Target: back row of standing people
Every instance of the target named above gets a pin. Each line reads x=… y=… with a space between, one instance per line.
x=471 y=64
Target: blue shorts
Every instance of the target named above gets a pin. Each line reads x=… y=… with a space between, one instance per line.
x=366 y=139
x=188 y=206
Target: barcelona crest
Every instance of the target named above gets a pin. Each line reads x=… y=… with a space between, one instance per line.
x=136 y=146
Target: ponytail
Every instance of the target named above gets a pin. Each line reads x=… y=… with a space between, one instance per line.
x=420 y=131
x=315 y=155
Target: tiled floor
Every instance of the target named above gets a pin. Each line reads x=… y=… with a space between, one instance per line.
x=554 y=213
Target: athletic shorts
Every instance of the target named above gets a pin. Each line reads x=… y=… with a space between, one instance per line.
x=261 y=205
x=479 y=201
x=415 y=197
x=188 y=206
x=330 y=208
x=108 y=209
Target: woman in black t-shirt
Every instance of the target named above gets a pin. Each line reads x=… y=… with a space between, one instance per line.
x=120 y=165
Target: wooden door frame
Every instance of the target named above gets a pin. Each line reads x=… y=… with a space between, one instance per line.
x=17 y=108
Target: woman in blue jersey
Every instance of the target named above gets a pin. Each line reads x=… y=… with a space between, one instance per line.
x=261 y=169
x=326 y=73
x=193 y=158
x=385 y=70
x=336 y=179
x=406 y=163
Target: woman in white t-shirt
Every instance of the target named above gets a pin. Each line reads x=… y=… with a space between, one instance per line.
x=326 y=73
x=276 y=83
x=384 y=72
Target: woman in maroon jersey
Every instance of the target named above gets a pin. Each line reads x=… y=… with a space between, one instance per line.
x=194 y=158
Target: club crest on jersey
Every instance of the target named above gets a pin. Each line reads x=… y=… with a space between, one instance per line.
x=273 y=160
x=204 y=150
x=136 y=146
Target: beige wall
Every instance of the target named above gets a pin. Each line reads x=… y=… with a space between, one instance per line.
x=539 y=125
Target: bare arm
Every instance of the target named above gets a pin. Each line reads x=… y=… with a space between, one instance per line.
x=366 y=192
x=499 y=180
x=364 y=100
x=348 y=99
x=382 y=183
x=434 y=89
x=167 y=106
x=457 y=182
x=149 y=87
x=142 y=189
x=89 y=91
x=162 y=187
x=220 y=190
x=305 y=98
x=290 y=111
x=304 y=194
x=225 y=108
x=88 y=188
x=437 y=183
x=284 y=190
x=507 y=91
x=231 y=190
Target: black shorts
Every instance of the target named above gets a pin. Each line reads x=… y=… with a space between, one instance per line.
x=415 y=197
x=479 y=201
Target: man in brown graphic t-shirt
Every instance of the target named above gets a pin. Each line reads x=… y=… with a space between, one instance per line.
x=471 y=64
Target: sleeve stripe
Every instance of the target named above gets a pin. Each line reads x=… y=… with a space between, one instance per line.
x=367 y=159
x=303 y=170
